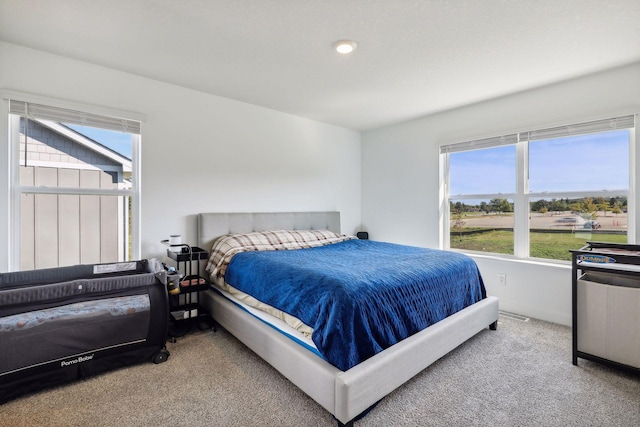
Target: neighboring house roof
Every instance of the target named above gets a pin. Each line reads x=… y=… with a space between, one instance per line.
x=88 y=143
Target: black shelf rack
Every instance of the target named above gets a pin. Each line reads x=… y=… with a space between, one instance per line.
x=185 y=307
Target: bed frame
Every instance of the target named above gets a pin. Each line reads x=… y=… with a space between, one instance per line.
x=345 y=394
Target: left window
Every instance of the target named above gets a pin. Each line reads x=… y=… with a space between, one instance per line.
x=75 y=186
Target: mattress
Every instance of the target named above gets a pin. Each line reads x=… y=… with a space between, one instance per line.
x=276 y=323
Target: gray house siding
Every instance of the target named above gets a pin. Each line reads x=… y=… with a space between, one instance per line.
x=62 y=229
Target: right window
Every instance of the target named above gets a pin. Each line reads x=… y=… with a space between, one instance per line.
x=589 y=176
x=570 y=185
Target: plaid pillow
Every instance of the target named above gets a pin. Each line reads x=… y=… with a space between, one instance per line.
x=225 y=247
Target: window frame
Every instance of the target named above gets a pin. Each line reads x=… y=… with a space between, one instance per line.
x=15 y=189
x=522 y=196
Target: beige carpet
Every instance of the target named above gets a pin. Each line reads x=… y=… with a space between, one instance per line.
x=519 y=375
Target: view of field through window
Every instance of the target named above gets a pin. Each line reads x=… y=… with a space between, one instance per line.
x=587 y=175
x=552 y=232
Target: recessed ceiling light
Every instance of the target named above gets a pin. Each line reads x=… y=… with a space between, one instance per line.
x=345 y=46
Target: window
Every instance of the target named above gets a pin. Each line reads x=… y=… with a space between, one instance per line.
x=75 y=186
x=539 y=194
x=484 y=222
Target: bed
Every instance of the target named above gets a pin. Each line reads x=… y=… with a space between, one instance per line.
x=346 y=393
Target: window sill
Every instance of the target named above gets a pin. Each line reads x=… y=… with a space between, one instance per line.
x=514 y=259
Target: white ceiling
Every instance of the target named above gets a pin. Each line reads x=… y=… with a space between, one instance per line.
x=413 y=58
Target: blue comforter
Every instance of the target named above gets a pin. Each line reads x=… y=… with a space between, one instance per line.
x=359 y=296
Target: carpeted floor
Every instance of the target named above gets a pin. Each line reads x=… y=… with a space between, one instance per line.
x=519 y=375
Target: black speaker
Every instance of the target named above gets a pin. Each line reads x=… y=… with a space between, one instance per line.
x=362 y=235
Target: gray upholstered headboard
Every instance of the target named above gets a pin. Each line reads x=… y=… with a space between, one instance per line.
x=212 y=225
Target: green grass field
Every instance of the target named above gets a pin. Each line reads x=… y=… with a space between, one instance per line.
x=542 y=245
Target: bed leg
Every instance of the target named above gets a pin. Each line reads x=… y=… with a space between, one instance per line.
x=347 y=424
x=494 y=326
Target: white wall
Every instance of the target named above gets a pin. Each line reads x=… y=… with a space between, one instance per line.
x=200 y=153
x=400 y=176
x=206 y=153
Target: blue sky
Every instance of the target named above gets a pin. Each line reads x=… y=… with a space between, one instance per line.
x=119 y=142
x=585 y=162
